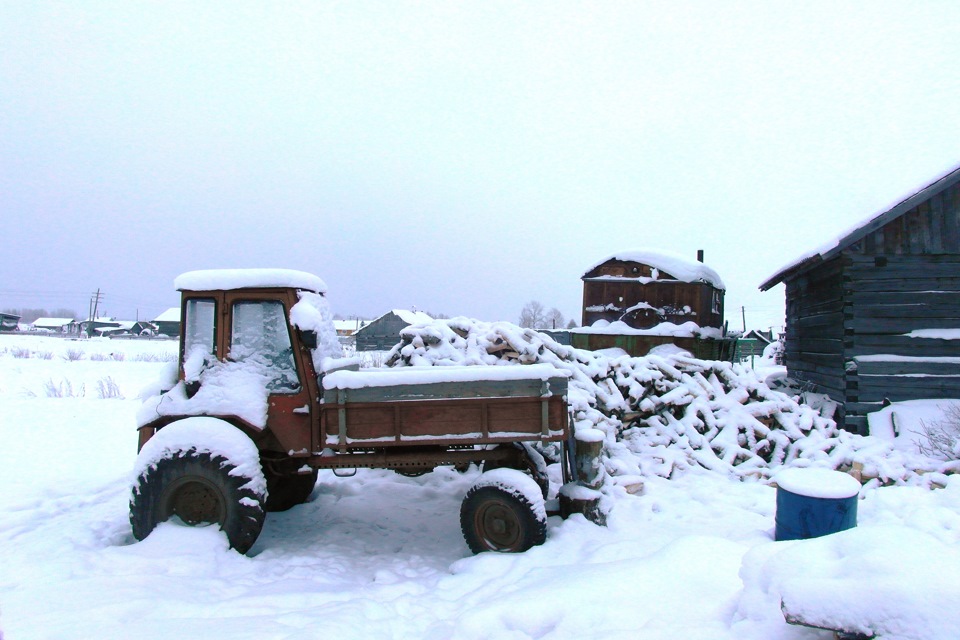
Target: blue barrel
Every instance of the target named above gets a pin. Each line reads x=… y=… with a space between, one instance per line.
x=814 y=502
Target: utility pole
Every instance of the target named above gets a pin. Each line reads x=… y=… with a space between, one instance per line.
x=743 y=310
x=95 y=302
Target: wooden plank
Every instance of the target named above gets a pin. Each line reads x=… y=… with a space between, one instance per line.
x=951 y=220
x=904 y=367
x=897 y=311
x=451 y=390
x=899 y=325
x=862 y=408
x=859 y=261
x=454 y=422
x=900 y=388
x=937 y=225
x=859 y=298
x=813 y=308
x=914 y=284
x=820 y=345
x=917 y=350
x=821 y=320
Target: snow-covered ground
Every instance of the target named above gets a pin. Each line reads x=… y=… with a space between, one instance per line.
x=380 y=555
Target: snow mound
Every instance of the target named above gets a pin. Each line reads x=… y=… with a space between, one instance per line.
x=670 y=412
x=845 y=581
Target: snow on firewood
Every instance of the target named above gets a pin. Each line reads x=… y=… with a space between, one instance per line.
x=661 y=414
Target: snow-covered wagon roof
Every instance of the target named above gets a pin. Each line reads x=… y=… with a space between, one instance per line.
x=833 y=247
x=215 y=279
x=675 y=265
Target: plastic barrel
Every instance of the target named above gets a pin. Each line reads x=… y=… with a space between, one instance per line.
x=814 y=502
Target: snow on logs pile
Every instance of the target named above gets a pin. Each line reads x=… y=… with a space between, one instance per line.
x=662 y=414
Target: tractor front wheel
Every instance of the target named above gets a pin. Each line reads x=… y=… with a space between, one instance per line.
x=199 y=489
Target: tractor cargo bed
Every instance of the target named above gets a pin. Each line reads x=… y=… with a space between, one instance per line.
x=447 y=406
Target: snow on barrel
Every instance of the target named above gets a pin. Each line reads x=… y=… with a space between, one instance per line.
x=814 y=502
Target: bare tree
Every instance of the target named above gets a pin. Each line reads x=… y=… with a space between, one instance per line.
x=533 y=316
x=554 y=319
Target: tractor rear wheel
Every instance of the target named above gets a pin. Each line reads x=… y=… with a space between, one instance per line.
x=503 y=512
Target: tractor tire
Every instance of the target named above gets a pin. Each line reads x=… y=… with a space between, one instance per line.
x=198 y=489
x=286 y=492
x=501 y=516
x=534 y=464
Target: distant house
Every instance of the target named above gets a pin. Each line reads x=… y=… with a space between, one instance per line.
x=346 y=328
x=384 y=332
x=67 y=326
x=638 y=300
x=876 y=315
x=168 y=322
x=752 y=343
x=126 y=328
x=98 y=326
x=9 y=322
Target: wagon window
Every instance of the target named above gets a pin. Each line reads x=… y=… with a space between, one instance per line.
x=198 y=335
x=260 y=336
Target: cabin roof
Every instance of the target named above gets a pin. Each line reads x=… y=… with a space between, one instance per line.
x=833 y=248
x=681 y=268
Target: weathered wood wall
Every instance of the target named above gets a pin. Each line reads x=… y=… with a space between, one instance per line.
x=813 y=342
x=381 y=334
x=888 y=298
x=616 y=287
x=848 y=318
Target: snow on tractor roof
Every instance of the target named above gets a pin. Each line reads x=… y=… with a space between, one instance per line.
x=681 y=268
x=215 y=279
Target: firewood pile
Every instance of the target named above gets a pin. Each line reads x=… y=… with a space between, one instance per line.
x=665 y=414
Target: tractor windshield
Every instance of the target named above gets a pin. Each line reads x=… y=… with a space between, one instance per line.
x=260 y=336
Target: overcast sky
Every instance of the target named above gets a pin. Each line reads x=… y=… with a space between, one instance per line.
x=457 y=158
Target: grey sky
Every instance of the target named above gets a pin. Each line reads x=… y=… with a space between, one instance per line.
x=460 y=158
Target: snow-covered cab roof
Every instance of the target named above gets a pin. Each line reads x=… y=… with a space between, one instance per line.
x=217 y=279
x=668 y=264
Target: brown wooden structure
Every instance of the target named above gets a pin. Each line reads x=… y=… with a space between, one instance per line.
x=871 y=319
x=645 y=290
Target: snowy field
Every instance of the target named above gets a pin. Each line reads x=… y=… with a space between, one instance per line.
x=379 y=555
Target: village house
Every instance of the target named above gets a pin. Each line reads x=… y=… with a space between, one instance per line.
x=639 y=300
x=67 y=326
x=168 y=322
x=875 y=316
x=384 y=332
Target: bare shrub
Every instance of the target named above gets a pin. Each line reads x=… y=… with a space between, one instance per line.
x=72 y=355
x=98 y=357
x=62 y=389
x=942 y=436
x=107 y=389
x=155 y=357
x=118 y=356
x=44 y=355
x=20 y=352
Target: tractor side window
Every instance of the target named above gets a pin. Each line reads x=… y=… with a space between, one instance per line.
x=260 y=336
x=199 y=332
